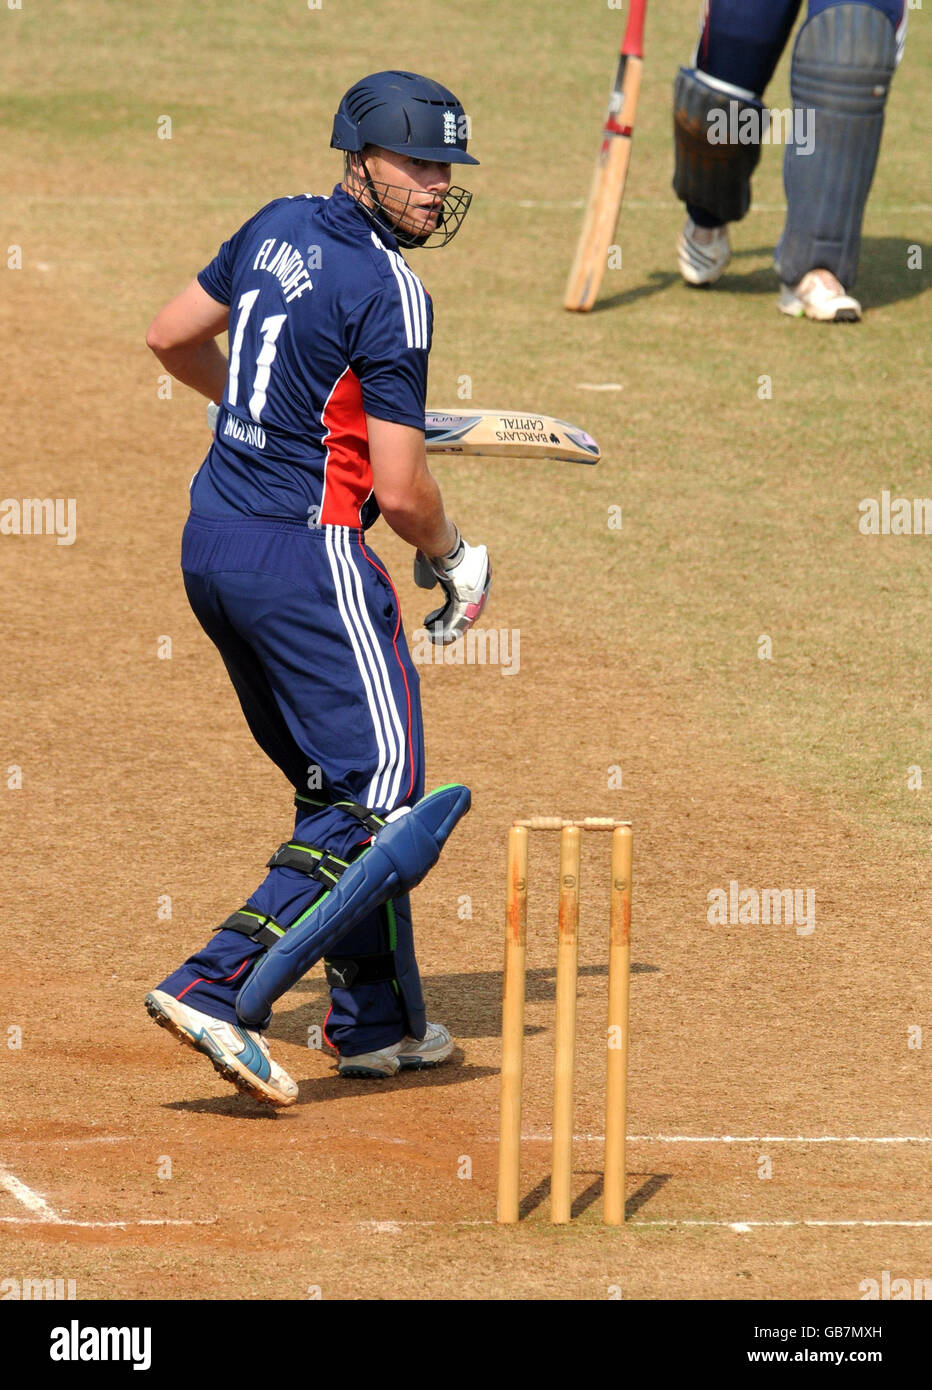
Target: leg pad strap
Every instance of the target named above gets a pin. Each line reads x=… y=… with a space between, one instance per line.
x=319 y=864
x=344 y=971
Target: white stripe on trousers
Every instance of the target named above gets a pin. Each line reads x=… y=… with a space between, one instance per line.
x=383 y=789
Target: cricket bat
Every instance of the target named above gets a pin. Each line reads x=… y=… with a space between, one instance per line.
x=507 y=434
x=497 y=433
x=611 y=170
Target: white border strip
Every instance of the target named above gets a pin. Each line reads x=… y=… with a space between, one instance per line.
x=546 y=1138
x=28 y=1198
x=391 y=1228
x=106 y=1225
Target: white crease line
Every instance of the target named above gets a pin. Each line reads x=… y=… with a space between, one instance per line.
x=395 y=1227
x=105 y=1225
x=783 y=1138
x=546 y=1138
x=68 y=1143
x=668 y=203
x=29 y=1199
x=599 y=386
x=800 y=1221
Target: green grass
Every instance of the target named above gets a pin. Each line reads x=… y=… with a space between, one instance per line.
x=740 y=514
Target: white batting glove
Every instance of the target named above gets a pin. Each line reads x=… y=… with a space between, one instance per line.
x=212 y=412
x=465 y=577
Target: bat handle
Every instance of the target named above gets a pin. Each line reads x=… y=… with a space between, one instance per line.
x=632 y=45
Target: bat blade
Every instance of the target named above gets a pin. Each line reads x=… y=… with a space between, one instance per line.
x=507 y=434
x=611 y=170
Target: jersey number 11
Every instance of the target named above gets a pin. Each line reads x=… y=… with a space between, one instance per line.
x=271 y=327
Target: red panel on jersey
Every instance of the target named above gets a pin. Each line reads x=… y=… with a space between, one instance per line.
x=347 y=474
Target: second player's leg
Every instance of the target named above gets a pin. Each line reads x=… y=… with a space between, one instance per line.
x=842 y=66
x=739 y=46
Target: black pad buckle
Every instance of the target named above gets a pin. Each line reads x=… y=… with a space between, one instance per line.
x=317 y=863
x=257 y=926
x=344 y=971
x=366 y=818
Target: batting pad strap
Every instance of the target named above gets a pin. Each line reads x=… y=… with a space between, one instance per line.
x=345 y=971
x=317 y=863
x=258 y=926
x=368 y=818
x=402 y=853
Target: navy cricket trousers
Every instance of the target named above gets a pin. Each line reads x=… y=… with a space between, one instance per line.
x=741 y=41
x=308 y=625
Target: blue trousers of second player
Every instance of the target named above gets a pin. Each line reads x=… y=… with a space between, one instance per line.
x=308 y=625
x=741 y=42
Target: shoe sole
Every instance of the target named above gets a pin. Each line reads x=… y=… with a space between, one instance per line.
x=365 y=1073
x=404 y=1064
x=220 y=1064
x=424 y=1063
x=797 y=310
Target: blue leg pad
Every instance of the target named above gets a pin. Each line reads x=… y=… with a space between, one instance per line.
x=401 y=854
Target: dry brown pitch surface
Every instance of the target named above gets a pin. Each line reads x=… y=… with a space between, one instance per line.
x=638 y=650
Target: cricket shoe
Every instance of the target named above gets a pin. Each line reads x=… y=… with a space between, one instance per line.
x=238 y=1054
x=819 y=295
x=411 y=1054
x=702 y=253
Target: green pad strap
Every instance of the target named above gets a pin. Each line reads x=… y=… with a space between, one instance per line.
x=367 y=818
x=317 y=863
x=258 y=926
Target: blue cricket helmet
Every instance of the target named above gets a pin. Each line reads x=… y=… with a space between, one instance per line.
x=405 y=113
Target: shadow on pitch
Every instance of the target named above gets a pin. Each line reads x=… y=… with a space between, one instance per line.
x=660 y=280
x=593 y=1194
x=235 y=1106
x=333 y=1087
x=884 y=276
x=469 y=1004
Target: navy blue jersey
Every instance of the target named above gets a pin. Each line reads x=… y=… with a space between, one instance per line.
x=327 y=324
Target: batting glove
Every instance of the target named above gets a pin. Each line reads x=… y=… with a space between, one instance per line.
x=465 y=577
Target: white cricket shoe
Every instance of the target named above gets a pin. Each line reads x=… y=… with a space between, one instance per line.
x=411 y=1054
x=238 y=1054
x=702 y=253
x=819 y=295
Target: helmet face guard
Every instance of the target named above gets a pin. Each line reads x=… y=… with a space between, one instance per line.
x=393 y=208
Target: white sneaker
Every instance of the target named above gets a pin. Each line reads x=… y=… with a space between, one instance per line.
x=238 y=1054
x=819 y=295
x=702 y=253
x=411 y=1054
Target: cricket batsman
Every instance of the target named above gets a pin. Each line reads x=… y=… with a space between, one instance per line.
x=843 y=62
x=319 y=430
